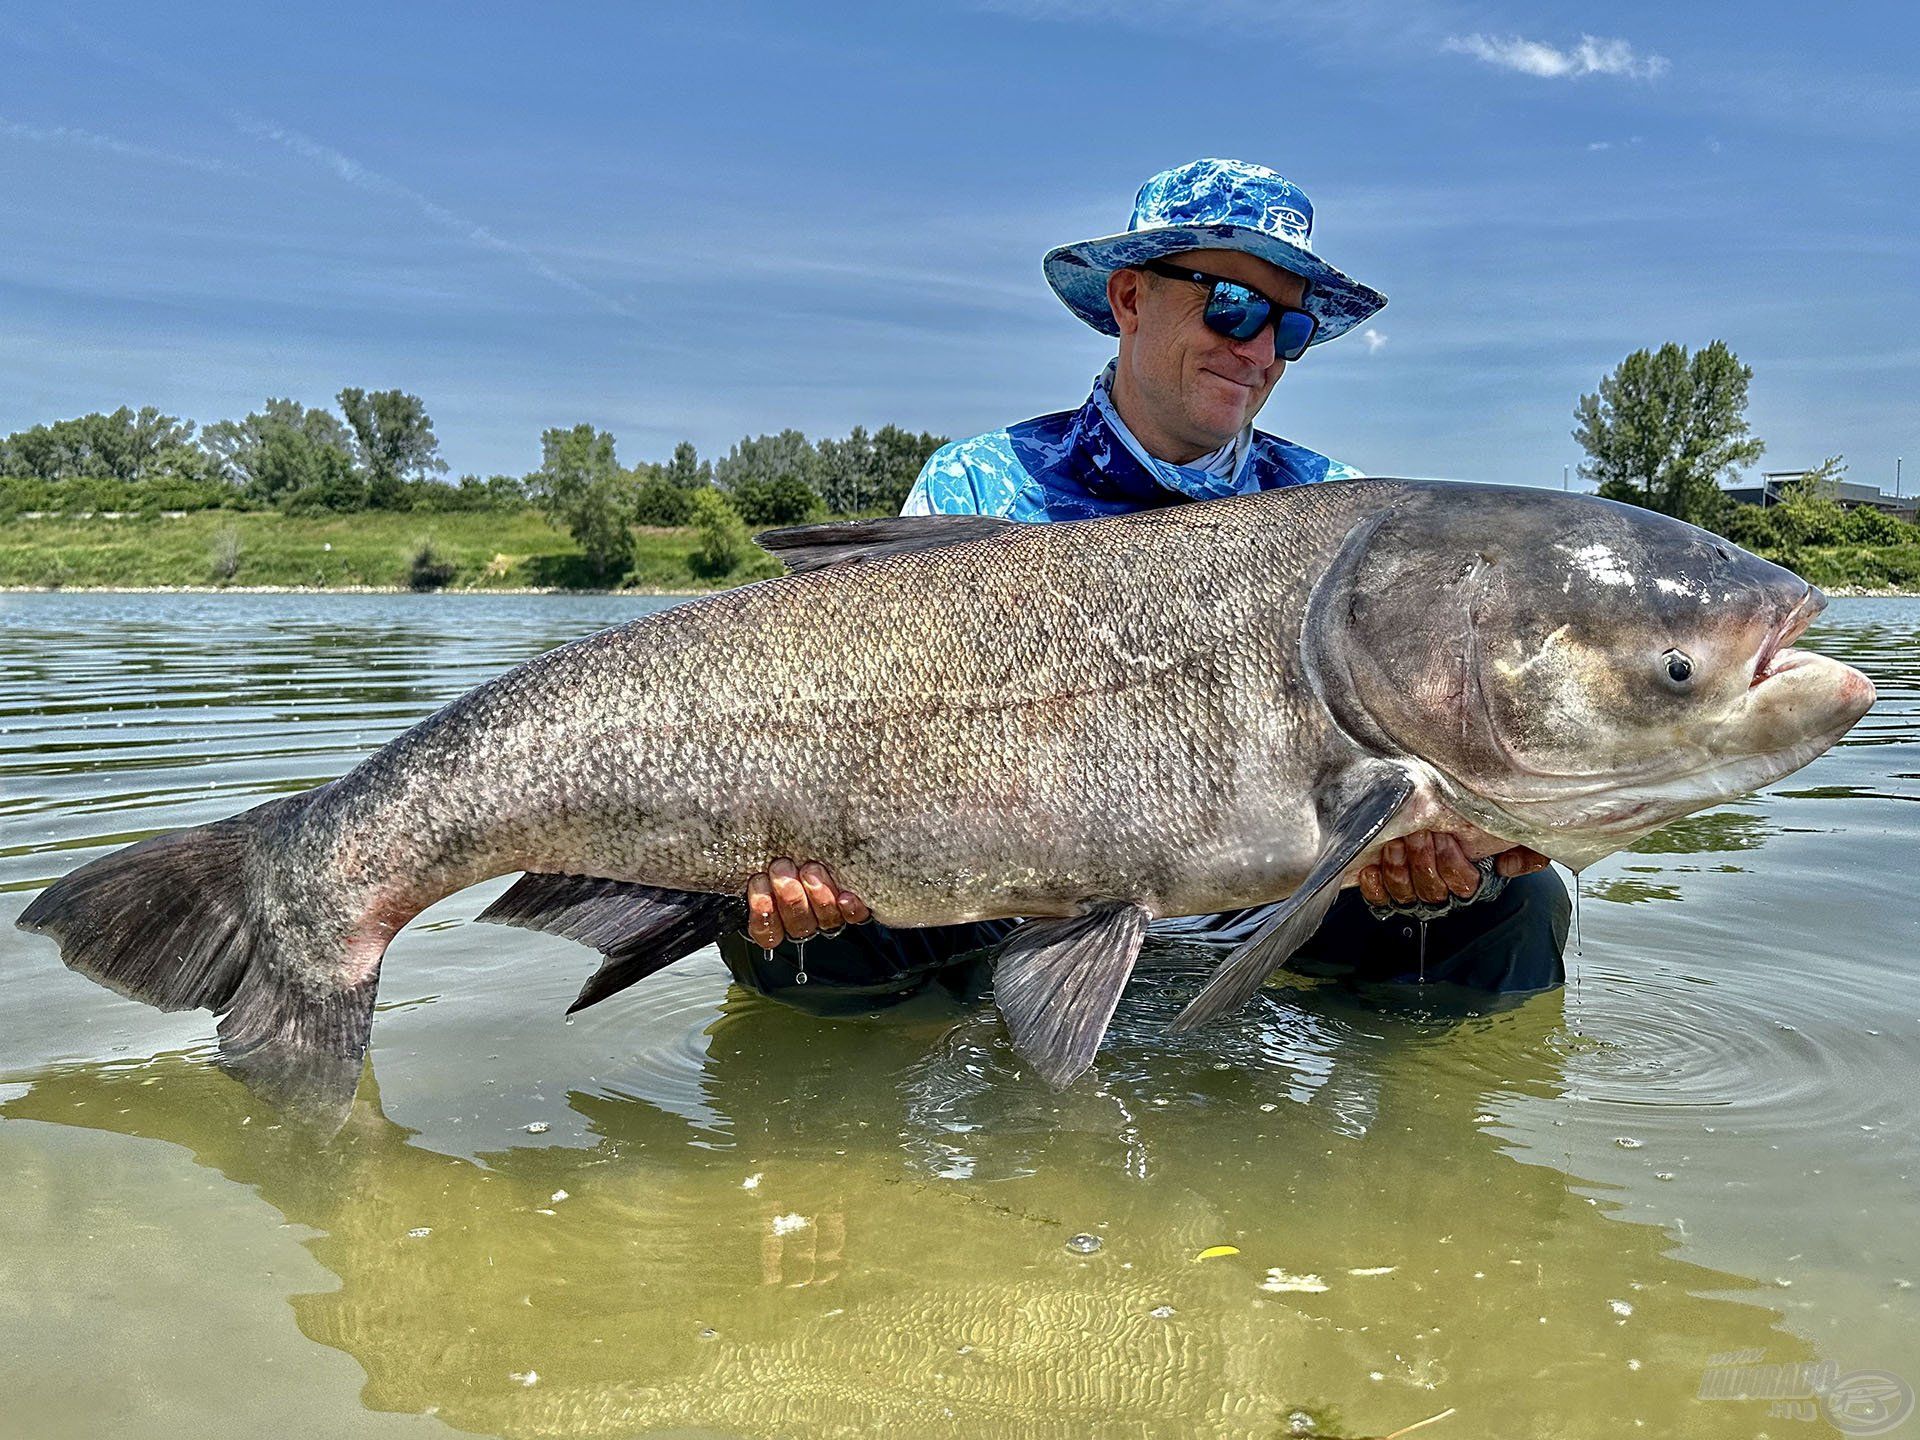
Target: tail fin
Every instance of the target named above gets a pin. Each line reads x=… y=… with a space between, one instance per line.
x=175 y=921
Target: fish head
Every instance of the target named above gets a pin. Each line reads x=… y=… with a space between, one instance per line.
x=1580 y=672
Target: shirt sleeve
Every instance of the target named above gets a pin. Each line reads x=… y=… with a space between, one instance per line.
x=945 y=486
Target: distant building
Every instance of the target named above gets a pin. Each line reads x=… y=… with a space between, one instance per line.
x=1850 y=496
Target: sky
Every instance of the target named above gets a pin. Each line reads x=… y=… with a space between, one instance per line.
x=702 y=221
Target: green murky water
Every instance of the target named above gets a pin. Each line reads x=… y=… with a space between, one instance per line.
x=697 y=1212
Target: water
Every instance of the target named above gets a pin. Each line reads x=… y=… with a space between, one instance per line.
x=695 y=1211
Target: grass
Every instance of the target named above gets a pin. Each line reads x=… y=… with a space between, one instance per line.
x=497 y=550
x=488 y=550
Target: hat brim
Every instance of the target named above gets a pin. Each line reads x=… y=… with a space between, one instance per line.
x=1078 y=273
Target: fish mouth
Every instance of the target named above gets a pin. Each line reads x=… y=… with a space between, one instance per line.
x=1775 y=657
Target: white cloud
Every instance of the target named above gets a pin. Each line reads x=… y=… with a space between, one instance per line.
x=1594 y=55
x=1374 y=338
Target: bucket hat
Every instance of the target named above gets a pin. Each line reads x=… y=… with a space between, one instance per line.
x=1212 y=205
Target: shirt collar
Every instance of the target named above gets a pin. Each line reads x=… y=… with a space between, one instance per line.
x=1208 y=478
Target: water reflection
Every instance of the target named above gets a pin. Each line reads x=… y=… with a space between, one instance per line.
x=779 y=1224
x=792 y=1260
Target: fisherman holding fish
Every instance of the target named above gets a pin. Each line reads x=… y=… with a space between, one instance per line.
x=1212 y=290
x=1092 y=727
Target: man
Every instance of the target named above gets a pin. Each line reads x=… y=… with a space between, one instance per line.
x=1213 y=289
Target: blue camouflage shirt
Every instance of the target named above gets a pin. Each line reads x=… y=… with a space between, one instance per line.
x=1073 y=465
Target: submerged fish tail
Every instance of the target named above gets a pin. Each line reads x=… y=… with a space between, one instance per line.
x=201 y=919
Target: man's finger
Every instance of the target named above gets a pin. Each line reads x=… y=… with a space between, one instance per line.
x=1393 y=872
x=1427 y=883
x=854 y=908
x=763 y=926
x=1455 y=869
x=822 y=894
x=1520 y=861
x=796 y=915
x=1373 y=890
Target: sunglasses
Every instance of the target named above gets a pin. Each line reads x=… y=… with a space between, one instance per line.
x=1240 y=313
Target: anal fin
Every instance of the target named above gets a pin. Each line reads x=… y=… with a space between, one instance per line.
x=1056 y=983
x=638 y=928
x=1368 y=806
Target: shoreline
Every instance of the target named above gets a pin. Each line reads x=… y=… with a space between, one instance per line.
x=1837 y=592
x=335 y=590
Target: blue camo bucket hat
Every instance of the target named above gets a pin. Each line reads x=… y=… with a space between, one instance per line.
x=1212 y=205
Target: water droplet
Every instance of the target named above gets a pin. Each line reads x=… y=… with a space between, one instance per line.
x=1084 y=1244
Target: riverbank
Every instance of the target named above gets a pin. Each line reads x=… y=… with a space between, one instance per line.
x=495 y=552
x=490 y=550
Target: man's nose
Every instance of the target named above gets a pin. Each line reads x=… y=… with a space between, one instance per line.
x=1257 y=350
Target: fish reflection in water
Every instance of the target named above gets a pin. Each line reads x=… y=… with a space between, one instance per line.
x=782 y=1252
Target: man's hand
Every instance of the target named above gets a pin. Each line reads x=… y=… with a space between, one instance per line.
x=1428 y=865
x=789 y=903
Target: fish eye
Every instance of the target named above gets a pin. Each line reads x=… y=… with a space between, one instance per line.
x=1679 y=666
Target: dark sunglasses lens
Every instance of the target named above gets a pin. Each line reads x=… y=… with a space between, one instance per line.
x=1235 y=311
x=1292 y=333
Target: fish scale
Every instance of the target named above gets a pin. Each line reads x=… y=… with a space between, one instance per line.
x=1087 y=725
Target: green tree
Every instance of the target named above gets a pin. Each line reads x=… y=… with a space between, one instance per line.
x=849 y=472
x=581 y=486
x=900 y=455
x=724 y=542
x=1808 y=513
x=393 y=441
x=1666 y=428
x=129 y=445
x=285 y=451
x=686 y=470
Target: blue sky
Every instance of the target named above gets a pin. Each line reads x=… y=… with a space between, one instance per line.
x=701 y=221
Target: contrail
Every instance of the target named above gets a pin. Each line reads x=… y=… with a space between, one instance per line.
x=352 y=172
x=93 y=140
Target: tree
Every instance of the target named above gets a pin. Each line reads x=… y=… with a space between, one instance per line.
x=127 y=445
x=686 y=470
x=286 y=451
x=393 y=440
x=899 y=457
x=724 y=542
x=580 y=485
x=1666 y=428
x=1808 y=513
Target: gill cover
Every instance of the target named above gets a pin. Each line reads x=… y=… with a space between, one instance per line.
x=1537 y=647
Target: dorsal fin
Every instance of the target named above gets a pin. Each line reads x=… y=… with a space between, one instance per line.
x=850 y=542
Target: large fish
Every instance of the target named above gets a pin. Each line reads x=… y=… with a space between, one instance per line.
x=1088 y=724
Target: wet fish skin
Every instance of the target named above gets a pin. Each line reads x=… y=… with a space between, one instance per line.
x=1168 y=710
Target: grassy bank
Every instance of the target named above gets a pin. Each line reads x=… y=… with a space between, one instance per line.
x=488 y=550
x=499 y=550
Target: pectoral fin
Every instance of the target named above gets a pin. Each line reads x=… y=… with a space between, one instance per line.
x=1365 y=813
x=1057 y=981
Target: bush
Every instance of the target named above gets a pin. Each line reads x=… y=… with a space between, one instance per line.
x=659 y=502
x=1863 y=525
x=223 y=553
x=787 y=500
x=724 y=542
x=1752 y=526
x=24 y=492
x=429 y=569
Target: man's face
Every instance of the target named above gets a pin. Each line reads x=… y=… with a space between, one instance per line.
x=1196 y=387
